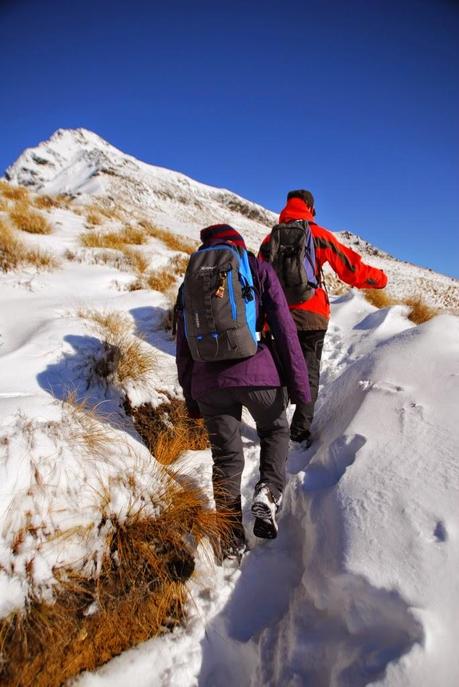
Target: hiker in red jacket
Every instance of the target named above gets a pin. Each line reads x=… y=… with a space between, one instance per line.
x=311 y=317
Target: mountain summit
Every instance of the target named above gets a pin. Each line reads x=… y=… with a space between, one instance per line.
x=79 y=163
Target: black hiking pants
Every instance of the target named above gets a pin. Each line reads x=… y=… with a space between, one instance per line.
x=312 y=343
x=222 y=412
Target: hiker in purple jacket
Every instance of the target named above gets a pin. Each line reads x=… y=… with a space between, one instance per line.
x=217 y=391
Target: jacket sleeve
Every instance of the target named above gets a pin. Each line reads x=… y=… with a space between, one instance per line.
x=184 y=361
x=347 y=264
x=264 y=248
x=283 y=328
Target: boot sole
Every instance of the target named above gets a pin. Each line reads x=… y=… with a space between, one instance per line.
x=264 y=526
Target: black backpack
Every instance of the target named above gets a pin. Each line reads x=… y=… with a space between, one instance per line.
x=218 y=302
x=291 y=252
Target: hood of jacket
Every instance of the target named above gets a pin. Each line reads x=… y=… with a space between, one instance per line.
x=294 y=210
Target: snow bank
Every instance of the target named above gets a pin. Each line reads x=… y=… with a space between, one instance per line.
x=361 y=586
x=376 y=501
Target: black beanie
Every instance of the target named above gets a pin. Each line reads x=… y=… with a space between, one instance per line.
x=303 y=195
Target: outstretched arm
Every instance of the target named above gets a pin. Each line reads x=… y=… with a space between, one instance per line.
x=184 y=363
x=347 y=264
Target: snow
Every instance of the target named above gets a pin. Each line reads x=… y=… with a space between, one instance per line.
x=361 y=585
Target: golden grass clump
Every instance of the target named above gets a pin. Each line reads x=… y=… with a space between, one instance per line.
x=164 y=278
x=161 y=280
x=14 y=254
x=47 y=202
x=102 y=240
x=171 y=240
x=25 y=219
x=114 y=239
x=136 y=260
x=379 y=298
x=126 y=357
x=17 y=193
x=135 y=361
x=104 y=212
x=94 y=218
x=139 y=592
x=86 y=428
x=167 y=430
x=419 y=311
x=111 y=325
x=179 y=263
x=133 y=235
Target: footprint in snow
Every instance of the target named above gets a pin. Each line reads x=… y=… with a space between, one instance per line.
x=440 y=532
x=341 y=455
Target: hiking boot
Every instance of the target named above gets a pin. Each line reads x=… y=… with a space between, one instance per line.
x=264 y=508
x=233 y=545
x=304 y=438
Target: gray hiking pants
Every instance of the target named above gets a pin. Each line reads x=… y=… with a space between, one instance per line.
x=222 y=411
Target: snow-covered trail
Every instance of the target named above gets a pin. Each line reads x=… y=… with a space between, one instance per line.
x=358 y=588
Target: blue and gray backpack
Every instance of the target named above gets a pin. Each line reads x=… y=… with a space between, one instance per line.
x=218 y=303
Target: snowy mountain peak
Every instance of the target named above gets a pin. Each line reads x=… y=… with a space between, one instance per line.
x=81 y=163
x=56 y=165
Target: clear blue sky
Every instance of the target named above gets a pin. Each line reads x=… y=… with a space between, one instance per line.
x=357 y=101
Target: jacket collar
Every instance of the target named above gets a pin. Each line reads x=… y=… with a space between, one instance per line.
x=294 y=210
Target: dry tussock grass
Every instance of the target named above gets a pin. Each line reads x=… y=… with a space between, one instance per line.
x=379 y=298
x=136 y=362
x=167 y=430
x=94 y=218
x=171 y=240
x=126 y=357
x=178 y=264
x=3 y=205
x=160 y=280
x=102 y=240
x=18 y=193
x=164 y=278
x=111 y=325
x=419 y=311
x=112 y=213
x=86 y=431
x=25 y=219
x=126 y=260
x=136 y=260
x=114 y=239
x=138 y=593
x=133 y=235
x=14 y=254
x=48 y=202
x=104 y=212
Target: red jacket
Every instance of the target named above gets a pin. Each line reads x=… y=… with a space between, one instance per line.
x=348 y=265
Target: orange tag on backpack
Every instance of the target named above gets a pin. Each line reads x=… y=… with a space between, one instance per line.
x=220 y=292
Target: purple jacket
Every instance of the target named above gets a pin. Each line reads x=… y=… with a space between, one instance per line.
x=198 y=378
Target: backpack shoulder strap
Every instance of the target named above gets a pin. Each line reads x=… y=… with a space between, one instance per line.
x=256 y=277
